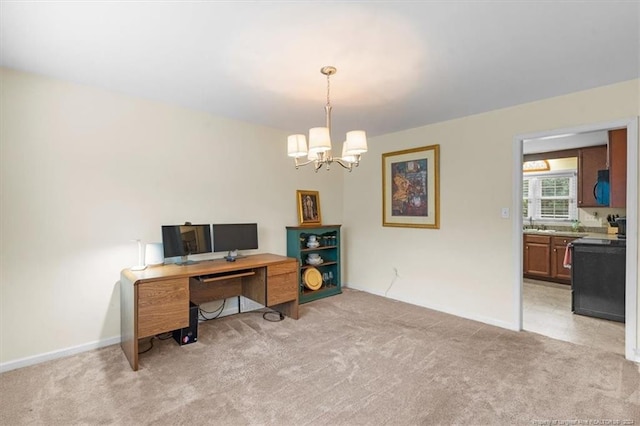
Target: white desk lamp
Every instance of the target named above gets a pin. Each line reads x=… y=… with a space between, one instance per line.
x=140 y=266
x=153 y=254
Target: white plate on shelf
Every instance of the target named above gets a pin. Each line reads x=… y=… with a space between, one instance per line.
x=315 y=262
x=313 y=245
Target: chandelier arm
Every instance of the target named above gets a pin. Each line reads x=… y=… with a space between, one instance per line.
x=347 y=165
x=298 y=164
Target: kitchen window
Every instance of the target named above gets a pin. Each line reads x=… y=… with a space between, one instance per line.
x=550 y=196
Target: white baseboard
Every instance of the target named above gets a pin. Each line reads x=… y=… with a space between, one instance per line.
x=486 y=320
x=231 y=308
x=37 y=359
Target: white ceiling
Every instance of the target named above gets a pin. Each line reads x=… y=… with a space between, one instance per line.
x=400 y=64
x=562 y=142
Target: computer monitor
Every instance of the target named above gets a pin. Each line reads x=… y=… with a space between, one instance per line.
x=185 y=240
x=231 y=237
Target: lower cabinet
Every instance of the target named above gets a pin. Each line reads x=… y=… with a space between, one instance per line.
x=536 y=256
x=162 y=306
x=544 y=258
x=282 y=283
x=558 y=250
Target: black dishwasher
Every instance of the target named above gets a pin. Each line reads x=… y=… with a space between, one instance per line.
x=598 y=278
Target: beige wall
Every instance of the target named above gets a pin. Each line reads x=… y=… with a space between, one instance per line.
x=466 y=267
x=84 y=171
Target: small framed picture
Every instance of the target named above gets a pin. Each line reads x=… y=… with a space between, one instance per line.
x=410 y=188
x=308 y=207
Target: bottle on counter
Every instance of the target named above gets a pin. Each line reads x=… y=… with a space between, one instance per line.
x=575 y=225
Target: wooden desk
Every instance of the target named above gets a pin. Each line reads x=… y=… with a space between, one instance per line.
x=156 y=300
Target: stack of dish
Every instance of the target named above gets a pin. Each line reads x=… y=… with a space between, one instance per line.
x=314 y=259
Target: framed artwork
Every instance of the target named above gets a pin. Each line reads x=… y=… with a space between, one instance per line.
x=410 y=188
x=308 y=207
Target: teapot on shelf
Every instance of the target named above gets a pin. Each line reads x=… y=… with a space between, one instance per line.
x=312 y=241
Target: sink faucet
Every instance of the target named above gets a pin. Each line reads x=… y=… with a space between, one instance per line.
x=530 y=222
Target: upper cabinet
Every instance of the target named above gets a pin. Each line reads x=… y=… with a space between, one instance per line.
x=590 y=160
x=604 y=163
x=618 y=167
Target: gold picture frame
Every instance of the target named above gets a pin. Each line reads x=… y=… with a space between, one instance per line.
x=411 y=188
x=308 y=208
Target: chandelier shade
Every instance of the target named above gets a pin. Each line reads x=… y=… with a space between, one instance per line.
x=349 y=158
x=319 y=150
x=319 y=139
x=356 y=142
x=297 y=146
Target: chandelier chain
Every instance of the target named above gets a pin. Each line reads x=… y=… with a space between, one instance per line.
x=328 y=89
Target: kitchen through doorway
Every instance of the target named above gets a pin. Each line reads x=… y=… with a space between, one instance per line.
x=546 y=219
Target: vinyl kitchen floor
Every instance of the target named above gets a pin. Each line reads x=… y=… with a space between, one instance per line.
x=547 y=311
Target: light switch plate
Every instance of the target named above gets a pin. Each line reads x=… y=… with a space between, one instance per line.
x=504 y=213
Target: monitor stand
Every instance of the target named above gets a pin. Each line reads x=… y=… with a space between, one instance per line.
x=231 y=256
x=184 y=260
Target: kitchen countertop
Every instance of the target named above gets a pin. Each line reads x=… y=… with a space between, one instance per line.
x=552 y=232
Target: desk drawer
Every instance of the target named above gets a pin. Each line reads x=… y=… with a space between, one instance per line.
x=282 y=268
x=282 y=288
x=203 y=292
x=162 y=306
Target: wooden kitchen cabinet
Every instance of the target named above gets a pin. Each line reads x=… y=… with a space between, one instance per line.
x=618 y=167
x=558 y=247
x=536 y=256
x=590 y=160
x=544 y=258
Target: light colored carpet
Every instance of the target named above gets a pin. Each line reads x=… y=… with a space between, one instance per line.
x=351 y=359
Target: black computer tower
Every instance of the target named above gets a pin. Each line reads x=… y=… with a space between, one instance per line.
x=187 y=335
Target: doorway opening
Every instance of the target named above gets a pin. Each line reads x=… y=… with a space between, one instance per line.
x=537 y=298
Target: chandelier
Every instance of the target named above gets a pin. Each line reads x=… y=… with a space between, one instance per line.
x=319 y=152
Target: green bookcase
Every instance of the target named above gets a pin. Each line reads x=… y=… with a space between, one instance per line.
x=328 y=249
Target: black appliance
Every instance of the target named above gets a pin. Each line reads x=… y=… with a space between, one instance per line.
x=187 y=335
x=601 y=190
x=598 y=278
